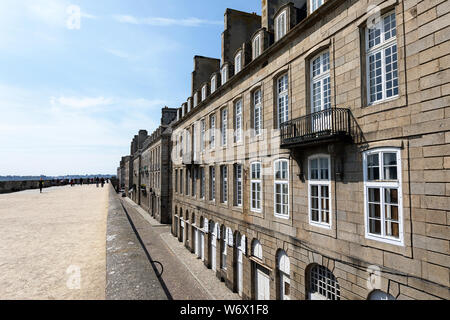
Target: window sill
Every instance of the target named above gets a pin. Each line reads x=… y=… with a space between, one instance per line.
x=319 y=225
x=381 y=239
x=280 y=216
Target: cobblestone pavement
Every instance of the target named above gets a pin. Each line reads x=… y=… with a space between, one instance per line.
x=47 y=239
x=130 y=275
x=185 y=276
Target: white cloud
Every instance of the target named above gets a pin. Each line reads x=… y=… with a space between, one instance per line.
x=41 y=133
x=80 y=102
x=165 y=22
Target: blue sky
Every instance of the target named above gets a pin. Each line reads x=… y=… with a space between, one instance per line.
x=72 y=95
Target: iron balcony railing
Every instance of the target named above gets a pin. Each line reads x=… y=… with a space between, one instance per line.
x=330 y=124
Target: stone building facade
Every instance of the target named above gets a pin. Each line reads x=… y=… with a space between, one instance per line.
x=315 y=164
x=155 y=170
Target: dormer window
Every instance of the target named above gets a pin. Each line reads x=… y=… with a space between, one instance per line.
x=238 y=62
x=224 y=74
x=195 y=99
x=280 y=25
x=257 y=46
x=213 y=84
x=183 y=110
x=189 y=105
x=315 y=4
x=204 y=90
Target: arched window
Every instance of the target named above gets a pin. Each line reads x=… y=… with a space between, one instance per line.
x=322 y=284
x=224 y=234
x=257 y=249
x=238 y=62
x=284 y=273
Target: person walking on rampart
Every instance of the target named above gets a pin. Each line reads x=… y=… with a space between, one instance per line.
x=97 y=180
x=103 y=182
x=41 y=185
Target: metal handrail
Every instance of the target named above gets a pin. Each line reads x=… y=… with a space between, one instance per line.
x=320 y=125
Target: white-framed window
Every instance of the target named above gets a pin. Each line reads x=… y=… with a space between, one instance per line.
x=213 y=84
x=212 y=131
x=188 y=178
x=315 y=4
x=383 y=195
x=181 y=181
x=257 y=111
x=202 y=183
x=382 y=59
x=176 y=180
x=224 y=127
x=204 y=91
x=212 y=183
x=281 y=188
x=183 y=110
x=224 y=74
x=256 y=46
x=202 y=134
x=189 y=105
x=195 y=99
x=283 y=99
x=224 y=249
x=255 y=186
x=224 y=184
x=238 y=185
x=238 y=121
x=319 y=190
x=194 y=181
x=280 y=25
x=320 y=82
x=238 y=62
x=323 y=284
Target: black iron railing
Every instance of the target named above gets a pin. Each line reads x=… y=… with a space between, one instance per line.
x=330 y=124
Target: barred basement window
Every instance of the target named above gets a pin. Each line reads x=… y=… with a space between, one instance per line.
x=281 y=188
x=382 y=59
x=323 y=284
x=319 y=191
x=283 y=100
x=383 y=195
x=255 y=187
